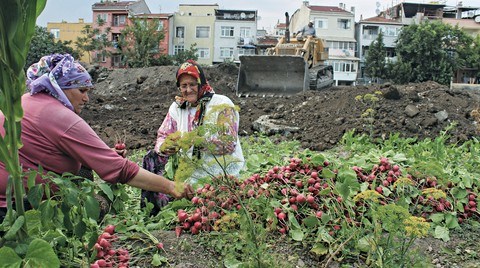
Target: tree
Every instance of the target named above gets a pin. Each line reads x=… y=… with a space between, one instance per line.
x=375 y=60
x=473 y=57
x=94 y=41
x=84 y=43
x=432 y=51
x=43 y=43
x=140 y=41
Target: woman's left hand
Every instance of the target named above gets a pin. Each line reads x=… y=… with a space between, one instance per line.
x=122 y=153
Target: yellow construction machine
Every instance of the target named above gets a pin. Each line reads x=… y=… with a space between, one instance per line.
x=290 y=67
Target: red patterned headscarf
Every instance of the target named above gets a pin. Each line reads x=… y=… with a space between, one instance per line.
x=205 y=91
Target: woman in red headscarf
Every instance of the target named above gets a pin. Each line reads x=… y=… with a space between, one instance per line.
x=193 y=108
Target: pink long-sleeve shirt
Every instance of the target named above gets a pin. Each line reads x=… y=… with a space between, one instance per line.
x=60 y=141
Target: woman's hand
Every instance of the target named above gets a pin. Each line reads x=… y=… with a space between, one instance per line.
x=122 y=153
x=170 y=150
x=187 y=192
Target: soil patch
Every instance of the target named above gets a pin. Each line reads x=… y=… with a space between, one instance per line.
x=136 y=101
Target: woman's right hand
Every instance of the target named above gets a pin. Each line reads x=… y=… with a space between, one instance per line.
x=187 y=192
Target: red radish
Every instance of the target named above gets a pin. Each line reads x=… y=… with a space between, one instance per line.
x=94 y=265
x=196 y=217
x=471 y=197
x=104 y=243
x=182 y=215
x=194 y=230
x=379 y=190
x=160 y=245
x=197 y=225
x=282 y=216
x=106 y=236
x=110 y=229
x=301 y=198
x=120 y=146
x=319 y=214
x=178 y=231
x=310 y=199
x=440 y=207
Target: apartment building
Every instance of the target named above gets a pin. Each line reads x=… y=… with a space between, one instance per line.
x=234 y=34
x=194 y=25
x=367 y=31
x=69 y=31
x=110 y=18
x=336 y=26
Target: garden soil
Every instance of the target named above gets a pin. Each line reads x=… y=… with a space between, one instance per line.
x=132 y=103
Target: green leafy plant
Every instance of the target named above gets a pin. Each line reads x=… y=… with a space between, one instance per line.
x=370 y=101
x=17 y=26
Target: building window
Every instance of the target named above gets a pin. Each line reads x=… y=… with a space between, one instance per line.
x=160 y=25
x=101 y=57
x=246 y=51
x=245 y=32
x=55 y=32
x=203 y=53
x=343 y=24
x=115 y=39
x=202 y=32
x=226 y=52
x=345 y=66
x=178 y=48
x=101 y=18
x=390 y=31
x=227 y=31
x=180 y=32
x=321 y=23
x=119 y=20
x=117 y=60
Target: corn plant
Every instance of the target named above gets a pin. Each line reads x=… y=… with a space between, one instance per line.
x=17 y=25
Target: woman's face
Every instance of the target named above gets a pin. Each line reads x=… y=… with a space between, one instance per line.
x=189 y=88
x=78 y=97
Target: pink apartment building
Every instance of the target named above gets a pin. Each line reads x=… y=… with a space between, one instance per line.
x=111 y=17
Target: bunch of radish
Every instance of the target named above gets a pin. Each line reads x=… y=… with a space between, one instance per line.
x=307 y=190
x=297 y=185
x=107 y=256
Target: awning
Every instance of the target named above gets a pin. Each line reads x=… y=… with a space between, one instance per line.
x=247 y=46
x=343 y=58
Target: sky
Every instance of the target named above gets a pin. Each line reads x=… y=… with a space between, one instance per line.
x=269 y=11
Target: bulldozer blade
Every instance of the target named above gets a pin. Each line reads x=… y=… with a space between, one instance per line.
x=267 y=75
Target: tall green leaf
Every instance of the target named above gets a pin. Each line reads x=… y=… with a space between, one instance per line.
x=17 y=25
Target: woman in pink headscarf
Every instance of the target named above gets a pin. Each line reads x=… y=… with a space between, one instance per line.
x=56 y=138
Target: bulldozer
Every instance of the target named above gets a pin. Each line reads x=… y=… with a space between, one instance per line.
x=290 y=67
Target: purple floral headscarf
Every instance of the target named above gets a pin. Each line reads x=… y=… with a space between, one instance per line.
x=55 y=73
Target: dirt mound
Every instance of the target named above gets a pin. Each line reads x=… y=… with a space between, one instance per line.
x=136 y=101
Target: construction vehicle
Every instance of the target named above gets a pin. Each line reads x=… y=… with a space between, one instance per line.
x=290 y=67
